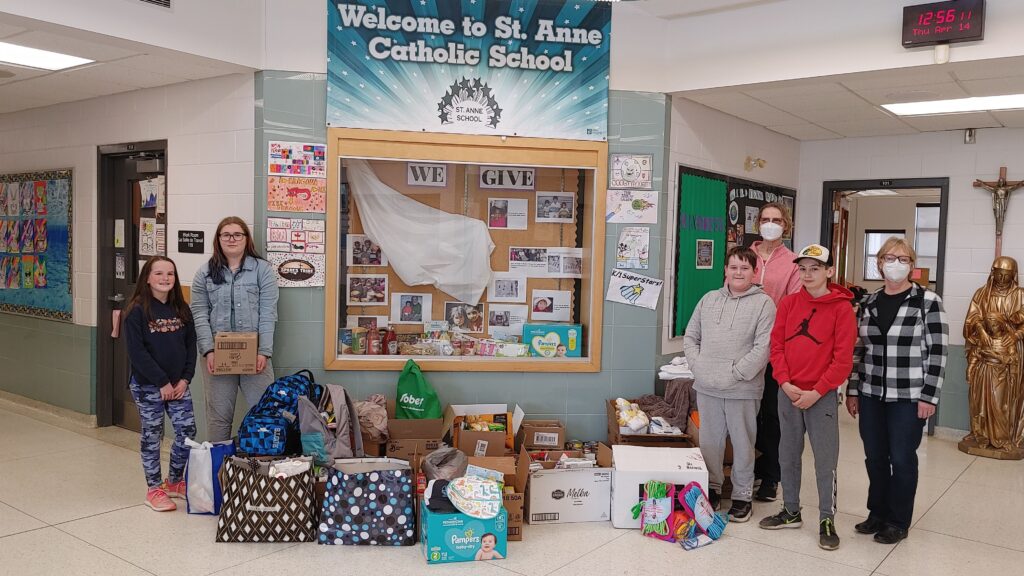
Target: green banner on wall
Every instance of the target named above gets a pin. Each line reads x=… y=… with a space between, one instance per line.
x=700 y=245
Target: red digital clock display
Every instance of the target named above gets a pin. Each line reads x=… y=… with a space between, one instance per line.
x=943 y=23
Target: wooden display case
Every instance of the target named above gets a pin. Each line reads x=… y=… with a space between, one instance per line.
x=562 y=166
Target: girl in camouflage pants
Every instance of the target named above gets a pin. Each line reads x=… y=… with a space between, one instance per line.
x=161 y=340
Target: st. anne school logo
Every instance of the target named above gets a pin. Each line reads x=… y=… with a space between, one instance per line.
x=469 y=103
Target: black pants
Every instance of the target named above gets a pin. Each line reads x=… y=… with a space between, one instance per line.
x=766 y=467
x=891 y=432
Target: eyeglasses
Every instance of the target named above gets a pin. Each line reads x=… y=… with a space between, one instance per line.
x=232 y=236
x=779 y=221
x=889 y=259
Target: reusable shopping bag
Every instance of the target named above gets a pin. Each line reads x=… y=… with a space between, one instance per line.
x=369 y=501
x=202 y=485
x=416 y=397
x=261 y=507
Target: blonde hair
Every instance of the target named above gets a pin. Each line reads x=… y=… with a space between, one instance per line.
x=891 y=244
x=787 y=218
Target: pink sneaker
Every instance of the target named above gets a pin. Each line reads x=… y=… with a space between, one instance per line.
x=157 y=500
x=175 y=490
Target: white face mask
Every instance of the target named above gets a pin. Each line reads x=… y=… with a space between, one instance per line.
x=771 y=231
x=896 y=271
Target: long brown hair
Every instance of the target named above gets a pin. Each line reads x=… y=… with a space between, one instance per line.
x=143 y=295
x=219 y=262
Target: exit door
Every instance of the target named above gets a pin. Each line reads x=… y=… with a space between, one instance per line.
x=132 y=227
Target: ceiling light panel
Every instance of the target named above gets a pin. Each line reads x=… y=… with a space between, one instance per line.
x=35 y=58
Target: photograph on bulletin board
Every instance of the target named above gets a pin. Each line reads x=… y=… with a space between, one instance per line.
x=35 y=244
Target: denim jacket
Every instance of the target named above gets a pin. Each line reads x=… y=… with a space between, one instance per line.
x=245 y=302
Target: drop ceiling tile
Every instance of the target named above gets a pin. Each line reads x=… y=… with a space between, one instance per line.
x=1010 y=118
x=9 y=30
x=878 y=127
x=995 y=86
x=917 y=93
x=20 y=73
x=73 y=46
x=952 y=121
x=805 y=132
x=743 y=106
x=860 y=112
x=992 y=68
x=796 y=90
x=796 y=103
x=121 y=75
x=904 y=77
x=179 y=64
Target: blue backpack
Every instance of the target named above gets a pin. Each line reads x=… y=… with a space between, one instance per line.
x=271 y=427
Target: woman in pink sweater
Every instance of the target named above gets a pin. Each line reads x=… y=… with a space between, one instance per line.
x=778 y=276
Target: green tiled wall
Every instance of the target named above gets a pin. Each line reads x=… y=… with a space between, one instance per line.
x=48 y=361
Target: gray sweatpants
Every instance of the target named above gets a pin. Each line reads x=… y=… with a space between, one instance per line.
x=221 y=391
x=821 y=423
x=737 y=419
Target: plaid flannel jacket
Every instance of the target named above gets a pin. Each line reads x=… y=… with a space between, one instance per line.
x=908 y=363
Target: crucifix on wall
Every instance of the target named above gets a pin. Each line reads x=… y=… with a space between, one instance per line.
x=1000 y=190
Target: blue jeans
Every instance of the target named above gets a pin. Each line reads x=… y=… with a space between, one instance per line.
x=891 y=432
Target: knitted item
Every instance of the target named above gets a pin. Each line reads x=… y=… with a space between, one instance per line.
x=656 y=509
x=697 y=505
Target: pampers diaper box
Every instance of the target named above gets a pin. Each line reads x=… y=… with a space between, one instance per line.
x=554 y=340
x=460 y=538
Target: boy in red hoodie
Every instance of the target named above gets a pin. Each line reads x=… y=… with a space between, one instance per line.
x=812 y=356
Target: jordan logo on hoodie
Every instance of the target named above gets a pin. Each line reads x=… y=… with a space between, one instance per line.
x=805 y=328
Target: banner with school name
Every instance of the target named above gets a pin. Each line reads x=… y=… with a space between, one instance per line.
x=535 y=68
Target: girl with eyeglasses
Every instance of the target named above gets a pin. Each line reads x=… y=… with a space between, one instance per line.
x=235 y=291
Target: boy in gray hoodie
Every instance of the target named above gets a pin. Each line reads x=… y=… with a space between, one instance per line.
x=727 y=344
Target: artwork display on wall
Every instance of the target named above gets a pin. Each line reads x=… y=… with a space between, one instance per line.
x=35 y=244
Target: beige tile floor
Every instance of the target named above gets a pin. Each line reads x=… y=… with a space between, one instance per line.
x=70 y=503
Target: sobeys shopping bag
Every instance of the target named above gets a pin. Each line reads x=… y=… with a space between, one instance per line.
x=416 y=398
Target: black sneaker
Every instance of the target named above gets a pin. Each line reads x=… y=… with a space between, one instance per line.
x=715 y=499
x=767 y=492
x=784 y=519
x=827 y=537
x=890 y=534
x=740 y=511
x=869 y=526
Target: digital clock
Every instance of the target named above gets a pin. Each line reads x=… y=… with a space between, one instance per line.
x=943 y=23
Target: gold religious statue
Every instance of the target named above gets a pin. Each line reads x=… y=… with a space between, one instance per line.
x=994 y=332
x=1000 y=190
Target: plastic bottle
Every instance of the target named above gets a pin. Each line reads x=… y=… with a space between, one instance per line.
x=390 y=342
x=373 y=343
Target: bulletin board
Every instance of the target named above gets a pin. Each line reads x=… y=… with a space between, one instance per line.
x=463 y=195
x=35 y=244
x=566 y=167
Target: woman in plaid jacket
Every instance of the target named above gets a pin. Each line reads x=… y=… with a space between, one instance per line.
x=898 y=366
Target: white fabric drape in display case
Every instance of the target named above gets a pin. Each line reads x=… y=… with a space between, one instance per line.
x=424 y=245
